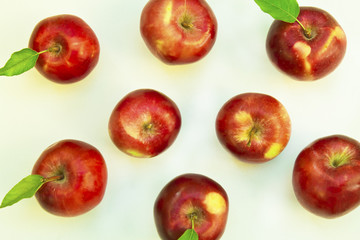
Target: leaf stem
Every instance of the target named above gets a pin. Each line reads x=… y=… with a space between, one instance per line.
x=47 y=50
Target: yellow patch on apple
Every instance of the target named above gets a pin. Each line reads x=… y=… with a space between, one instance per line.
x=247 y=124
x=303 y=50
x=168 y=12
x=243 y=117
x=215 y=203
x=135 y=153
x=336 y=33
x=273 y=151
x=132 y=128
x=159 y=45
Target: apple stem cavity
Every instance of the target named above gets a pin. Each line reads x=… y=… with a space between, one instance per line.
x=54 y=49
x=53 y=178
x=253 y=131
x=339 y=159
x=185 y=24
x=148 y=126
x=307 y=31
x=186 y=21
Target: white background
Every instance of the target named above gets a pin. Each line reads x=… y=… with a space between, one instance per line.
x=36 y=113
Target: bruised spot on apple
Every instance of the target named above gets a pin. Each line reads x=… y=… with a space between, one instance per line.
x=326 y=176
x=144 y=123
x=254 y=127
x=308 y=54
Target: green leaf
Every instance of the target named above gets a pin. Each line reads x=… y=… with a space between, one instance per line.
x=20 y=62
x=26 y=188
x=283 y=10
x=189 y=234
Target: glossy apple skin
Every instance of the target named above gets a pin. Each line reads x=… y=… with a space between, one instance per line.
x=254 y=127
x=323 y=188
x=79 y=46
x=144 y=123
x=84 y=182
x=178 y=34
x=305 y=58
x=191 y=194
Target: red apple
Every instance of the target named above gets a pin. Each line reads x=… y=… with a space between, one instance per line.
x=144 y=123
x=309 y=54
x=326 y=176
x=178 y=31
x=187 y=199
x=254 y=127
x=82 y=178
x=72 y=48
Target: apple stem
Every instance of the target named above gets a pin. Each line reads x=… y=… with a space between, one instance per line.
x=53 y=178
x=56 y=48
x=338 y=162
x=186 y=25
x=251 y=134
x=307 y=31
x=186 y=20
x=193 y=217
x=148 y=126
x=52 y=49
x=193 y=223
x=43 y=52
